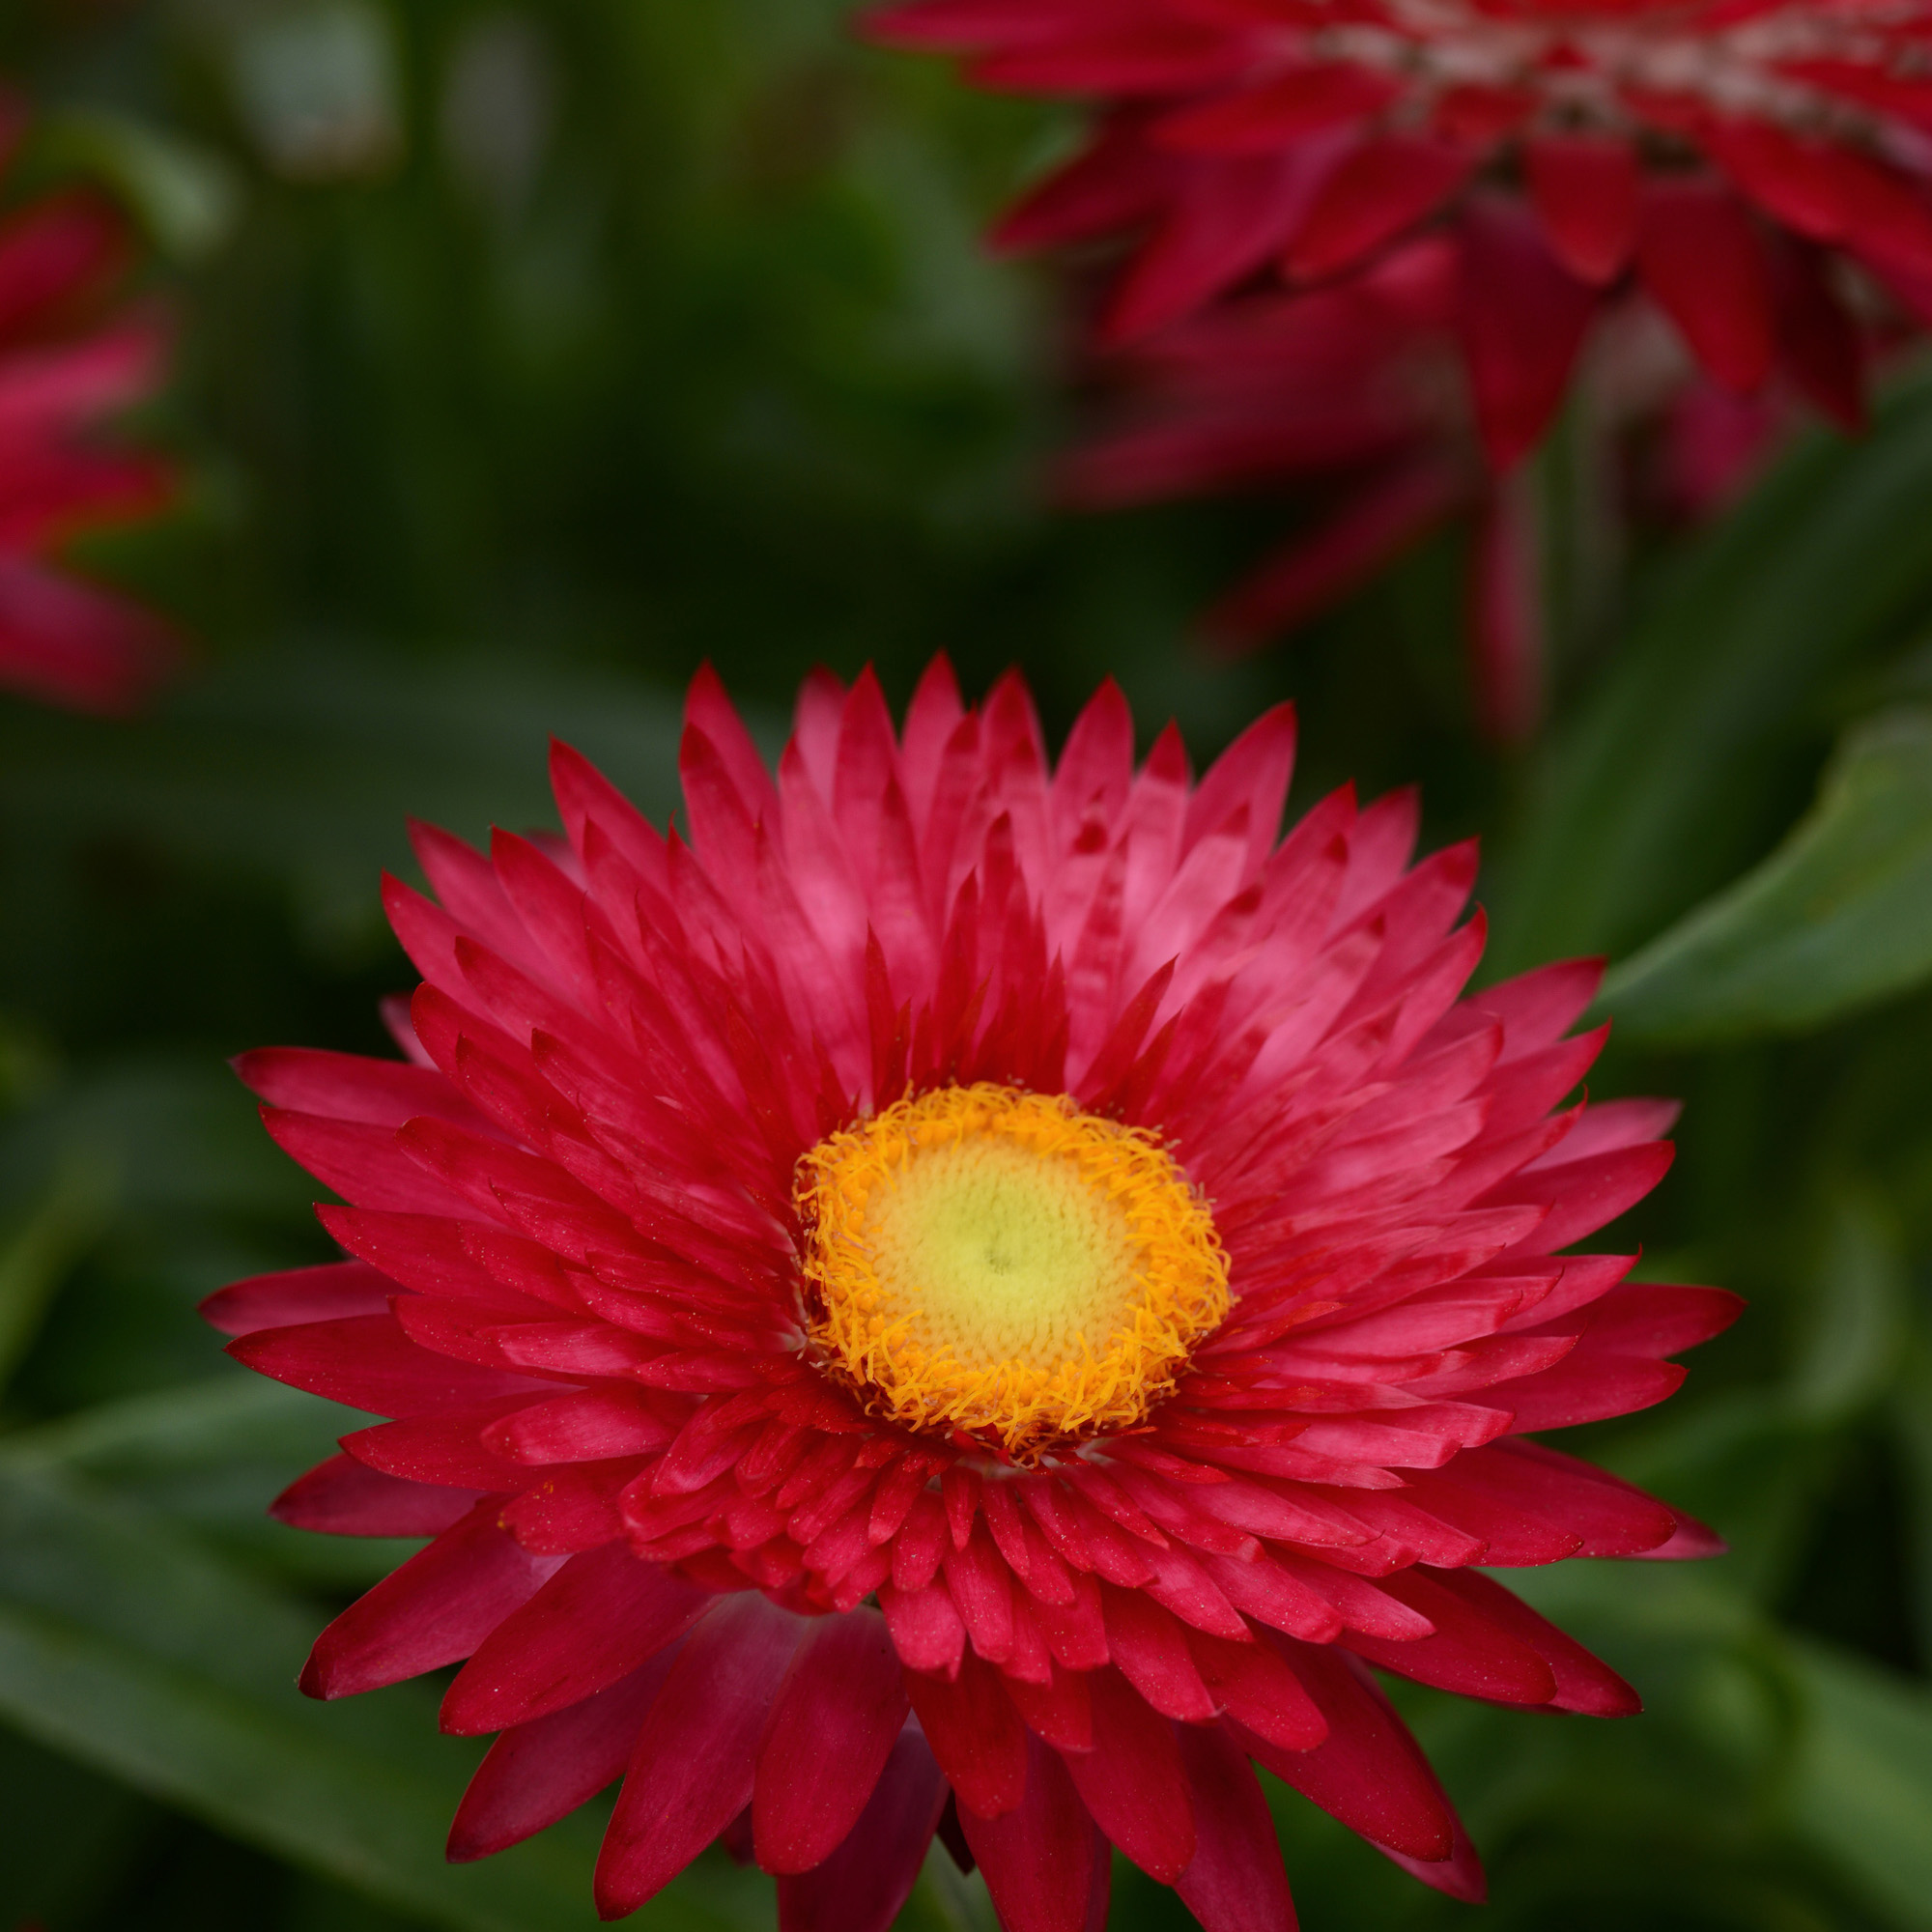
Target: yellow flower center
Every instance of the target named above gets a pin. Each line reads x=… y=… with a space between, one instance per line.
x=995 y=1261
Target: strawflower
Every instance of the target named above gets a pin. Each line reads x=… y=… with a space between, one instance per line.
x=1731 y=159
x=971 y=1297
x=1358 y=395
x=67 y=364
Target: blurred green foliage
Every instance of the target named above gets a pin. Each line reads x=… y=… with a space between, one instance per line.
x=532 y=353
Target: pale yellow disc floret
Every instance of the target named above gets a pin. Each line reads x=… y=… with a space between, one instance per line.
x=996 y=1262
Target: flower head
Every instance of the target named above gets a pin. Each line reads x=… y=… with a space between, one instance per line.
x=1730 y=159
x=971 y=1286
x=63 y=370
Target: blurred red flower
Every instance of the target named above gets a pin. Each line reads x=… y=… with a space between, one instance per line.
x=1729 y=156
x=67 y=364
x=1363 y=387
x=974 y=1297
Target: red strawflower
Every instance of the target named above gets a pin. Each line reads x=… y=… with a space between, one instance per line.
x=966 y=1293
x=62 y=371
x=1359 y=387
x=1720 y=153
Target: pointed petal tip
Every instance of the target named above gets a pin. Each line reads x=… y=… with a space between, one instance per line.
x=316 y=1677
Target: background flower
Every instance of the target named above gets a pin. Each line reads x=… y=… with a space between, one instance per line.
x=1709 y=152
x=64 y=370
x=1757 y=175
x=1359 y=395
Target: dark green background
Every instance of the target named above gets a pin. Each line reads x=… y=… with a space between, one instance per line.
x=485 y=443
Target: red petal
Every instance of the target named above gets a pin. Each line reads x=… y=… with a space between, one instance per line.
x=1150 y=1648
x=1381 y=188
x=706 y=707
x=832 y=1728
x=343 y=1498
x=534 y=1774
x=1524 y=318
x=601 y=1616
x=67 y=642
x=981 y=1587
x=866 y=1880
x=1038 y=1857
x=349 y=1085
x=365 y=1361
x=1370 y=1773
x=1827 y=192
x=1256 y=1688
x=1235 y=1882
x=1460 y=1875
x=1609 y=1517
x=297 y=1296
x=574 y=1509
x=438 y=1607
x=925 y=1628
x=55 y=250
x=1283 y=109
x=1587 y=193
x=1506 y=629
x=1061 y=1712
x=1583 y=1195
x=1227 y=218
x=589 y=1427
x=446 y=1448
x=1537 y=1009
x=1583 y=1683
x=691 y=1772
x=1116 y=184
x=1476 y=111
x=1469 y=1652
x=976 y=1734
x=1658 y=1318
x=1131 y=1780
x=363 y=1163
x=1700 y=257
x=1252 y=773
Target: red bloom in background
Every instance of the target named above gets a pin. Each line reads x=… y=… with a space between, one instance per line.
x=972 y=1296
x=1361 y=385
x=62 y=371
x=1729 y=156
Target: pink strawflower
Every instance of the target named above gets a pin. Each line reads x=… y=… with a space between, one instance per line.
x=1730 y=158
x=62 y=372
x=970 y=1296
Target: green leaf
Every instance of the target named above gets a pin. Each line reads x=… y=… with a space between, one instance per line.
x=1861 y=1786
x=229 y=1418
x=1848 y=1352
x=187 y=197
x=1659 y=788
x=1839 y=916
x=169 y=1136
x=1912 y=1439
x=35 y=1255
x=69 y=1840
x=125 y=1645
x=303 y=765
x=209 y=1455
